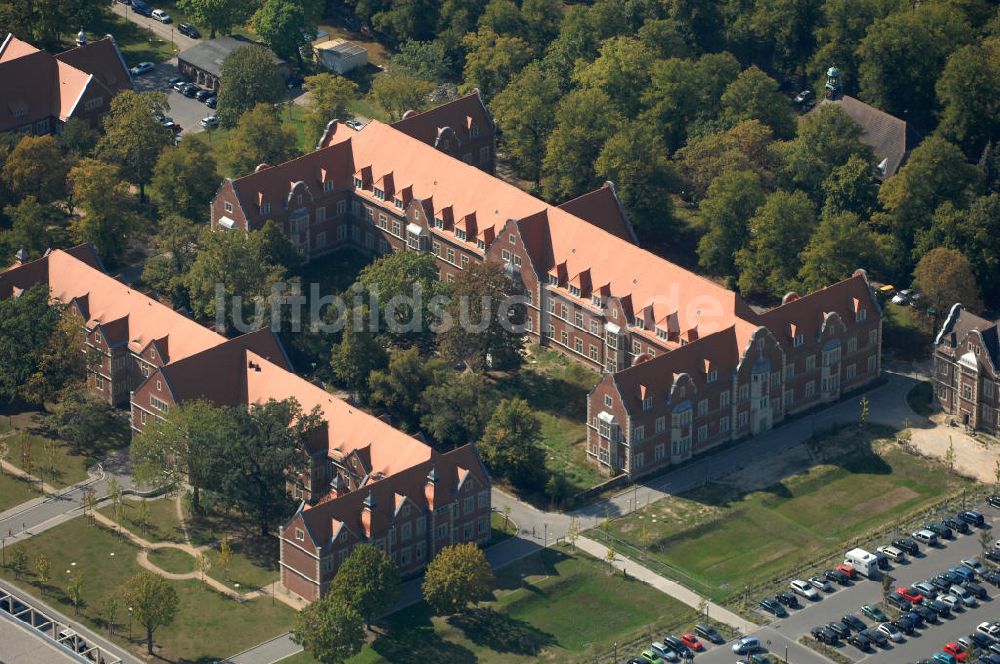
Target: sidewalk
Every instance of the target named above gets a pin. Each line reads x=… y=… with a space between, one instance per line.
x=668 y=587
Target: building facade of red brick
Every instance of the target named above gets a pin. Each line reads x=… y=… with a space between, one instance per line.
x=967 y=370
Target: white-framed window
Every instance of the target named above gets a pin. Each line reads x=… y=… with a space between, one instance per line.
x=341 y=207
x=608 y=401
x=228 y=206
x=744 y=392
x=713 y=376
x=638 y=433
x=265 y=208
x=861 y=315
x=811 y=363
x=398 y=203
x=799 y=339
x=378 y=193
x=358 y=184
x=724 y=424
x=660 y=451
x=852 y=345
x=702 y=433
x=647 y=403
x=661 y=424
x=872 y=337
x=810 y=388
x=851 y=371
x=99 y=382
x=724 y=399
x=872 y=363
x=299 y=534
x=702 y=407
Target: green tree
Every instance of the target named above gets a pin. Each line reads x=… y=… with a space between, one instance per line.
x=36 y=167
x=755 y=96
x=409 y=19
x=393 y=281
x=584 y=121
x=260 y=137
x=779 y=230
x=457 y=409
x=844 y=25
x=788 y=28
x=185 y=180
x=840 y=244
x=74 y=590
x=945 y=277
x=176 y=248
x=43 y=569
x=367 y=581
x=969 y=92
x=329 y=98
x=973 y=231
x=492 y=61
x=935 y=173
x=245 y=268
x=18 y=562
x=731 y=201
x=78 y=139
x=133 y=138
x=266 y=444
x=903 y=54
x=644 y=176
x=110 y=607
x=89 y=423
x=284 y=27
x=428 y=60
x=621 y=71
x=511 y=444
x=396 y=92
x=827 y=138
x=399 y=388
x=743 y=147
x=503 y=17
x=216 y=15
x=851 y=187
x=34 y=226
x=109 y=219
x=488 y=314
x=525 y=113
x=153 y=602
x=251 y=79
x=458 y=575
x=329 y=630
x=225 y=557
x=357 y=354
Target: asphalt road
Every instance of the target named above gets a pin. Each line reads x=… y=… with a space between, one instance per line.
x=922 y=644
x=168 y=31
x=185 y=111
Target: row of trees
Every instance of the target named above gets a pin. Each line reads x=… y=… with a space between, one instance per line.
x=366 y=586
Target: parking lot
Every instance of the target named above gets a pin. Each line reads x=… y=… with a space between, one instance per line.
x=922 y=644
x=185 y=111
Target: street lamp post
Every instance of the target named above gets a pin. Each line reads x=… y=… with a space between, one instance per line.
x=130 y=623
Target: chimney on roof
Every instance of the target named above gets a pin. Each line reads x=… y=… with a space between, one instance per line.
x=430 y=487
x=368 y=507
x=81 y=38
x=833 y=90
x=337 y=486
x=21 y=256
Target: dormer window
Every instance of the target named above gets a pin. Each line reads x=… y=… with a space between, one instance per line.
x=662 y=334
x=358 y=184
x=460 y=234
x=638 y=323
x=553 y=280
x=799 y=340
x=712 y=376
x=438 y=222
x=596 y=299
x=861 y=315
x=265 y=208
x=647 y=403
x=474 y=131
x=574 y=291
x=398 y=202
x=328 y=186
x=481 y=244
x=379 y=194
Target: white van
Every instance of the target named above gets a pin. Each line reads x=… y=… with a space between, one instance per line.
x=926 y=536
x=892 y=553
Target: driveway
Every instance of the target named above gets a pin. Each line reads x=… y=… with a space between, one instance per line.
x=923 y=643
x=185 y=111
x=167 y=31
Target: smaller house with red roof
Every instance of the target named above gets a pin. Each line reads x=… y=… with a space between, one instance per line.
x=40 y=92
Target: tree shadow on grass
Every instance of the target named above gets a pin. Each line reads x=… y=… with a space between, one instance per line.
x=552 y=395
x=500 y=632
x=414 y=641
x=542 y=563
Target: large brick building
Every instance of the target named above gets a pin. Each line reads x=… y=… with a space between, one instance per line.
x=364 y=481
x=967 y=369
x=595 y=295
x=40 y=92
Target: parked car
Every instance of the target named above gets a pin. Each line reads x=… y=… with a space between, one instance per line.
x=209 y=121
x=974 y=565
x=174 y=81
x=926 y=588
x=967 y=573
x=938 y=607
x=212 y=102
x=910 y=594
x=907 y=544
x=876 y=636
x=903 y=624
x=882 y=561
x=836 y=575
x=953 y=602
x=977 y=590
x=803 y=97
x=994 y=500
x=956 y=524
x=787 y=599
x=993 y=555
x=800 y=587
x=925 y=612
x=941 y=582
x=191 y=90
x=926 y=536
x=691 y=641
x=990 y=629
x=942 y=658
x=824 y=635
x=820 y=583
x=855 y=622
x=874 y=613
x=189 y=30
x=841 y=629
x=650 y=657
x=355 y=125
x=860 y=641
x=664 y=652
x=897 y=601
x=162 y=16
x=179 y=84
x=914 y=617
x=972 y=517
x=142 y=68
x=678 y=646
x=141 y=8
x=939 y=529
x=709 y=633
x=991 y=576
x=956 y=650
x=893 y=553
x=847 y=570
x=981 y=639
x=202 y=95
x=891 y=632
x=746 y=645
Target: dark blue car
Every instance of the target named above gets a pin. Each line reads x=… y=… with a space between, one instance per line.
x=140 y=7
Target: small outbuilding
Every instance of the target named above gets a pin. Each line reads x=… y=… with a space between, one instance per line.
x=202 y=63
x=341 y=56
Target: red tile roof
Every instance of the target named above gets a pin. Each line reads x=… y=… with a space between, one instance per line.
x=808 y=313
x=602 y=208
x=459 y=114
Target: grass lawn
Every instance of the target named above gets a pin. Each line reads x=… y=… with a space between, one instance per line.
x=63 y=469
x=552 y=606
x=921 y=397
x=725 y=539
x=906 y=331
x=172 y=560
x=163 y=524
x=14 y=491
x=500 y=528
x=249 y=573
x=208 y=626
x=557 y=388
x=137 y=43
